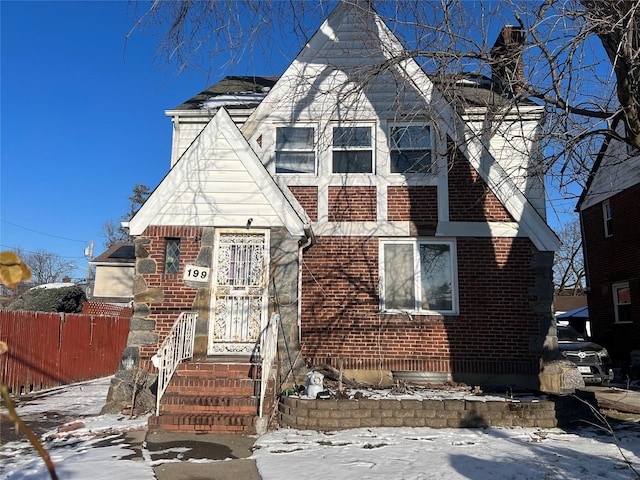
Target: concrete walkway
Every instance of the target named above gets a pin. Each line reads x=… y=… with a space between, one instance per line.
x=227 y=456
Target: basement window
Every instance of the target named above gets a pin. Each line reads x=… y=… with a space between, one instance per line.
x=172 y=256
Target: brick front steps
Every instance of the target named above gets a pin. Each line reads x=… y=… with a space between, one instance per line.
x=214 y=396
x=325 y=415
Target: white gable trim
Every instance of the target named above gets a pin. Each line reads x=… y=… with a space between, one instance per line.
x=221 y=132
x=304 y=67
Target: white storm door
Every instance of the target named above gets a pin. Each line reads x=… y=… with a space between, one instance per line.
x=239 y=299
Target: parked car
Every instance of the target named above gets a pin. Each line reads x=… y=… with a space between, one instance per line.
x=592 y=360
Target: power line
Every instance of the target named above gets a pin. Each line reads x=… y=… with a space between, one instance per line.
x=43 y=233
x=8 y=247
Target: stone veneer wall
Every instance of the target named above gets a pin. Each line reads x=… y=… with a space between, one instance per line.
x=325 y=415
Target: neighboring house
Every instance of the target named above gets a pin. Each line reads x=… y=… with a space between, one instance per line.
x=611 y=244
x=364 y=209
x=114 y=273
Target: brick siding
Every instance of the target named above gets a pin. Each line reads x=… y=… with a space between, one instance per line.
x=308 y=198
x=610 y=260
x=177 y=296
x=352 y=204
x=418 y=204
x=340 y=311
x=470 y=199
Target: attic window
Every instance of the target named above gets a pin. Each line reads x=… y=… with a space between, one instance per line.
x=352 y=150
x=410 y=149
x=295 y=150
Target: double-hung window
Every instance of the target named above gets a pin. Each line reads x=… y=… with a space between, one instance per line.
x=622 y=302
x=352 y=150
x=295 y=150
x=419 y=276
x=410 y=147
x=607 y=218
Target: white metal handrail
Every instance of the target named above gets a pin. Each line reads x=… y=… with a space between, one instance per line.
x=177 y=347
x=268 y=353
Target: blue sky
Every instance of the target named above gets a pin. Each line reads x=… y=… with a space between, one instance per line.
x=82 y=121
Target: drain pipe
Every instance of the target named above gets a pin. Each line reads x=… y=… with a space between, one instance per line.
x=304 y=244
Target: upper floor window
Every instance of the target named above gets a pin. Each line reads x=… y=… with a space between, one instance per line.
x=606 y=215
x=410 y=149
x=419 y=276
x=622 y=302
x=352 y=150
x=172 y=255
x=295 y=150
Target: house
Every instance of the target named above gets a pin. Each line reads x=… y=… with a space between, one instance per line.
x=611 y=242
x=114 y=273
x=361 y=206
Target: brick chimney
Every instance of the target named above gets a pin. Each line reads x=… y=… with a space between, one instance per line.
x=506 y=66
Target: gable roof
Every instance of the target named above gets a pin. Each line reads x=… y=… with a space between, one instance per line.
x=347 y=27
x=241 y=91
x=609 y=174
x=219 y=181
x=122 y=253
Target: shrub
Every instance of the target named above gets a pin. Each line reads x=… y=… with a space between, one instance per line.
x=67 y=299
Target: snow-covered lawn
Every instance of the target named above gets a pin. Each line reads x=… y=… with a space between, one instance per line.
x=100 y=449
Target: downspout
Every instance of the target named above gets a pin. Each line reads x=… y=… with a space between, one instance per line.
x=304 y=244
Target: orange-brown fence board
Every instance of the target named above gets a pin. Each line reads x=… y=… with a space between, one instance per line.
x=51 y=349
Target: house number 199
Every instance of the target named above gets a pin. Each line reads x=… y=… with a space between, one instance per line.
x=196 y=274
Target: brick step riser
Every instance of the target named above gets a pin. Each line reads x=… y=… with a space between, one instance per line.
x=227 y=383
x=212 y=391
x=184 y=420
x=177 y=410
x=216 y=370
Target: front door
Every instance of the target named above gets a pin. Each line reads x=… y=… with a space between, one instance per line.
x=239 y=294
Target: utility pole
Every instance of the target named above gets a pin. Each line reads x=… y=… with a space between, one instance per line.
x=88 y=253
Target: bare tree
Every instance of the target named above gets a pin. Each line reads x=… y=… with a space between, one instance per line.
x=568 y=264
x=579 y=59
x=46 y=267
x=113 y=232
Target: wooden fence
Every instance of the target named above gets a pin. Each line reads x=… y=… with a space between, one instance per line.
x=51 y=349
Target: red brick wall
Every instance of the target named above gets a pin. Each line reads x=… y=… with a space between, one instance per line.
x=308 y=198
x=177 y=296
x=419 y=204
x=610 y=260
x=352 y=204
x=340 y=311
x=470 y=199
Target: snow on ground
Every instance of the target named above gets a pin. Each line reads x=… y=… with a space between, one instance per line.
x=100 y=450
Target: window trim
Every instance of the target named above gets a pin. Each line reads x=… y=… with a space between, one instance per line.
x=607 y=218
x=391 y=126
x=371 y=147
x=416 y=242
x=314 y=150
x=614 y=290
